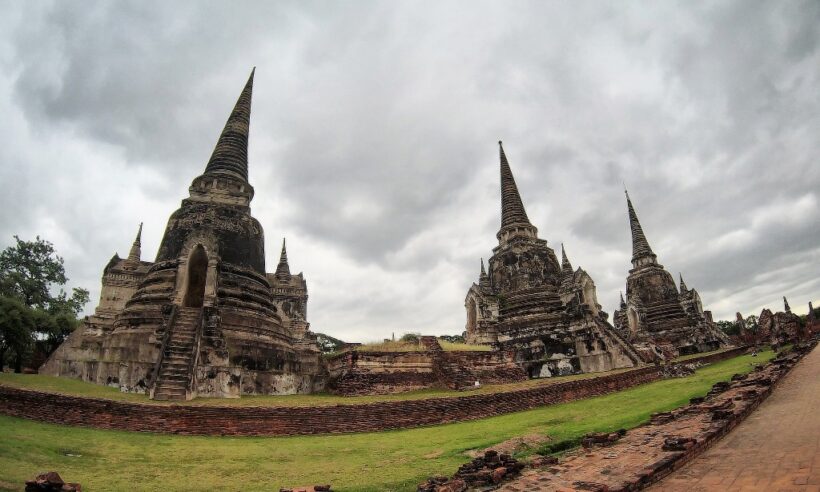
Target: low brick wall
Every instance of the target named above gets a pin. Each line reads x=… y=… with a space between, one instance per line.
x=284 y=421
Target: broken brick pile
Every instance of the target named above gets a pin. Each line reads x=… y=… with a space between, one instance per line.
x=487 y=470
x=648 y=453
x=51 y=482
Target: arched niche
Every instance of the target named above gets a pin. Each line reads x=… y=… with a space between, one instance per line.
x=197 y=273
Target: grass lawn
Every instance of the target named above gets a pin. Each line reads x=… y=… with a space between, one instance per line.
x=76 y=387
x=701 y=354
x=394 y=460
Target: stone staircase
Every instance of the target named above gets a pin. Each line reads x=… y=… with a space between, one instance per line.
x=665 y=316
x=530 y=301
x=174 y=370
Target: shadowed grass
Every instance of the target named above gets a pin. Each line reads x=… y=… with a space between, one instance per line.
x=384 y=461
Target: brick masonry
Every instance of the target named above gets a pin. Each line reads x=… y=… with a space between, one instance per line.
x=284 y=421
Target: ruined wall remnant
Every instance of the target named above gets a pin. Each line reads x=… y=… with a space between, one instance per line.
x=363 y=373
x=781 y=327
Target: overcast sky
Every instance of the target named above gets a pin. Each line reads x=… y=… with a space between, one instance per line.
x=373 y=140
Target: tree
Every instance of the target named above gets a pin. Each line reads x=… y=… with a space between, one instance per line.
x=730 y=328
x=31 y=271
x=751 y=323
x=17 y=325
x=410 y=337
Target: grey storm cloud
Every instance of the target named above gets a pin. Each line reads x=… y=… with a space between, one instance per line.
x=374 y=129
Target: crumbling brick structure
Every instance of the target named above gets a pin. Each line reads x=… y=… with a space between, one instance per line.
x=367 y=373
x=204 y=318
x=781 y=327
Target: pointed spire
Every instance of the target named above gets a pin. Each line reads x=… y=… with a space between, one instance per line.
x=231 y=152
x=683 y=287
x=282 y=269
x=623 y=302
x=483 y=279
x=786 y=305
x=640 y=246
x=566 y=266
x=136 y=248
x=811 y=316
x=512 y=208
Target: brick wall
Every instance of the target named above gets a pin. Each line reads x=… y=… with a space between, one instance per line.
x=281 y=421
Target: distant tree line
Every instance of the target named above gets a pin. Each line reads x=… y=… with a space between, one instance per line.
x=36 y=314
x=732 y=328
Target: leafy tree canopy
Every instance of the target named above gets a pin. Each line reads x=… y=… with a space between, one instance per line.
x=30 y=274
x=17 y=326
x=31 y=271
x=729 y=327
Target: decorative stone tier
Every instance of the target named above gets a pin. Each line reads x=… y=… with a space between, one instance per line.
x=283 y=421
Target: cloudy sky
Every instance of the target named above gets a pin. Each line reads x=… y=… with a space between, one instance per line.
x=373 y=140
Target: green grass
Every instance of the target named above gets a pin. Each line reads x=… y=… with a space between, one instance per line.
x=463 y=347
x=395 y=460
x=68 y=386
x=701 y=354
x=389 y=346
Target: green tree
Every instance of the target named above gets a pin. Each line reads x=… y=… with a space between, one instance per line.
x=729 y=327
x=31 y=271
x=17 y=326
x=410 y=337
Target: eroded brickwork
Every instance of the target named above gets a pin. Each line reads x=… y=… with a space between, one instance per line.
x=362 y=373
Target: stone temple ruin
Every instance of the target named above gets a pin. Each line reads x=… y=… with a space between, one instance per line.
x=205 y=318
x=657 y=318
x=546 y=312
x=778 y=328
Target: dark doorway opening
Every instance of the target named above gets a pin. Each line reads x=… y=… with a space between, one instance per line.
x=197 y=272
